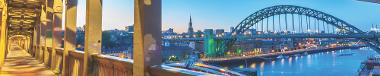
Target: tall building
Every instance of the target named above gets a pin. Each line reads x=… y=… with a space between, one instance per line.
x=219 y=31
x=129 y=28
x=170 y=30
x=190 y=30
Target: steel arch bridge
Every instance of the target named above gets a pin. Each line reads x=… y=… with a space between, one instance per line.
x=291 y=9
x=262 y=14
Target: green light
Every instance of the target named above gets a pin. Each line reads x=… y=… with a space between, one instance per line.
x=238 y=50
x=210 y=47
x=173 y=58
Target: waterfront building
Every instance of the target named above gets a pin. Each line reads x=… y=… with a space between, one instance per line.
x=129 y=28
x=219 y=32
x=199 y=34
x=209 y=44
x=253 y=31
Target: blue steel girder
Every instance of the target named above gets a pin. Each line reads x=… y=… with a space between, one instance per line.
x=291 y=9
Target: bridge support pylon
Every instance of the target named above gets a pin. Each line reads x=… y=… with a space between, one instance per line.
x=69 y=35
x=93 y=36
x=3 y=35
x=147 y=36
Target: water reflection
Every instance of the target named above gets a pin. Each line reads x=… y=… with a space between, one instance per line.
x=318 y=64
x=262 y=65
x=309 y=60
x=241 y=66
x=290 y=60
x=282 y=62
x=253 y=65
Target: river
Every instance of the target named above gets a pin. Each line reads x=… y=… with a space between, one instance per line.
x=332 y=63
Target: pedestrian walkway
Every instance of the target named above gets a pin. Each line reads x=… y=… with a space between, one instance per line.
x=21 y=63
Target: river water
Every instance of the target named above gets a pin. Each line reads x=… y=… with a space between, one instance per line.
x=334 y=63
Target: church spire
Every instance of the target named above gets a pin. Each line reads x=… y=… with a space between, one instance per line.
x=191 y=22
x=190 y=30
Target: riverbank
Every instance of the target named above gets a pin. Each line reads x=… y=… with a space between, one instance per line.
x=271 y=56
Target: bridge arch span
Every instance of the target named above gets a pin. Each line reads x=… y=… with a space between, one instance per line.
x=262 y=14
x=292 y=9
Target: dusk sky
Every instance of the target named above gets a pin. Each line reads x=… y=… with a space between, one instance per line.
x=224 y=14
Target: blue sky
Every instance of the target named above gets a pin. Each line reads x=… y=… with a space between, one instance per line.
x=228 y=13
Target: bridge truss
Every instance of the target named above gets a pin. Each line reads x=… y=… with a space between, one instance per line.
x=322 y=23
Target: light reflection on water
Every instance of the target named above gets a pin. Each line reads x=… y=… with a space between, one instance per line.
x=319 y=64
x=253 y=65
x=262 y=65
x=290 y=59
x=282 y=62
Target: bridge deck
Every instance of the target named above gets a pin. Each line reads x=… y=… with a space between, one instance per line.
x=20 y=63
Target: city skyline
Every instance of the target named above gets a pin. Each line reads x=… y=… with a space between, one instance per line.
x=228 y=13
x=190 y=37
